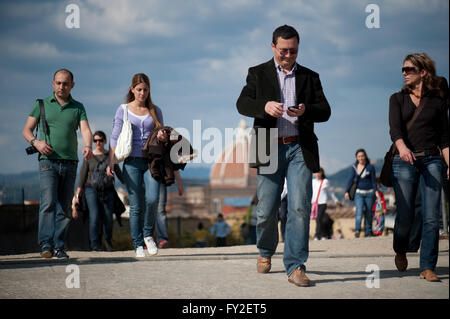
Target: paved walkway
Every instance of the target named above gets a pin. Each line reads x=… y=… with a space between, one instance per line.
x=339 y=269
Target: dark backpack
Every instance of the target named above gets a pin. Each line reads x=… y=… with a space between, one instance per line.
x=98 y=178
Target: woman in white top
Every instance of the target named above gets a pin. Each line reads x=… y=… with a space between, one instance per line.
x=144 y=117
x=321 y=190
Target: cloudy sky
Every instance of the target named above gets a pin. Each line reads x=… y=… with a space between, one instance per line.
x=197 y=53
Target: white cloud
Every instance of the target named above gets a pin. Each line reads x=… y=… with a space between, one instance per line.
x=250 y=48
x=399 y=7
x=34 y=50
x=236 y=5
x=120 y=22
x=319 y=20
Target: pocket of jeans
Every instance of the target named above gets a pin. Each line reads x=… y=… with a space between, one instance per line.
x=396 y=163
x=45 y=165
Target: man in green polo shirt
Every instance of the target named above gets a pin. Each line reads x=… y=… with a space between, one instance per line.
x=58 y=160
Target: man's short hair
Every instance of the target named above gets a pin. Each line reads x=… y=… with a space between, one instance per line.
x=285 y=32
x=64 y=70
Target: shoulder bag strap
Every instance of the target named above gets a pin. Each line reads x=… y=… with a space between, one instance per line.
x=318 y=193
x=360 y=174
x=125 y=113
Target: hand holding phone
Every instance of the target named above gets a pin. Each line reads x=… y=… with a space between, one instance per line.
x=296 y=110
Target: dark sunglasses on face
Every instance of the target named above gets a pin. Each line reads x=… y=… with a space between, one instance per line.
x=285 y=51
x=99 y=141
x=409 y=69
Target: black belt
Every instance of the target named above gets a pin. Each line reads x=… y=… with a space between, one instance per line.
x=430 y=152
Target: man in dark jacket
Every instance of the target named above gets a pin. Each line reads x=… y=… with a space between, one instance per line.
x=285 y=99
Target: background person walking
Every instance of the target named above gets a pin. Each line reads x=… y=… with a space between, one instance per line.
x=201 y=236
x=379 y=210
x=220 y=229
x=365 y=191
x=99 y=190
x=321 y=190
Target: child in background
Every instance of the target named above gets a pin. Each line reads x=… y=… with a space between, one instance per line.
x=201 y=236
x=220 y=229
x=379 y=210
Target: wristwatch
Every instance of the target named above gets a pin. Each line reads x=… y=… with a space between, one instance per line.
x=32 y=141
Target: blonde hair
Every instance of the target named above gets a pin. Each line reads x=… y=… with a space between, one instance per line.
x=142 y=78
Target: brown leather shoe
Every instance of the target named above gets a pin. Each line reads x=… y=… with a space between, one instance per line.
x=263 y=265
x=401 y=262
x=429 y=275
x=299 y=278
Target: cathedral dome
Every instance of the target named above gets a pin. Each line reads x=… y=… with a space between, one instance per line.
x=231 y=168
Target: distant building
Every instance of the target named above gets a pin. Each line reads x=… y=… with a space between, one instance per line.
x=230 y=177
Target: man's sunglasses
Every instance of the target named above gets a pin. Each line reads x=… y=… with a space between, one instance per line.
x=285 y=51
x=409 y=69
x=99 y=141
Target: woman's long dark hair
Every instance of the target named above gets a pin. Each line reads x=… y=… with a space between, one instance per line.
x=365 y=154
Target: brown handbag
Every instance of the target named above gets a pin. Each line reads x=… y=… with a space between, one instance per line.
x=385 y=175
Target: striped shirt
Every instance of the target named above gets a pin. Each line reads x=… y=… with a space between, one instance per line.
x=287 y=125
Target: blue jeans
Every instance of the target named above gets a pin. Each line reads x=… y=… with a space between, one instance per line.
x=161 y=215
x=143 y=193
x=405 y=179
x=364 y=204
x=100 y=214
x=299 y=183
x=57 y=180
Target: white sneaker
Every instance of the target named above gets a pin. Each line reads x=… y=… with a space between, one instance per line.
x=151 y=246
x=140 y=252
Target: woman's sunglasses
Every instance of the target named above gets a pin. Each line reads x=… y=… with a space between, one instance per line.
x=99 y=141
x=409 y=69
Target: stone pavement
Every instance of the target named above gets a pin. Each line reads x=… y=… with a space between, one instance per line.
x=339 y=269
